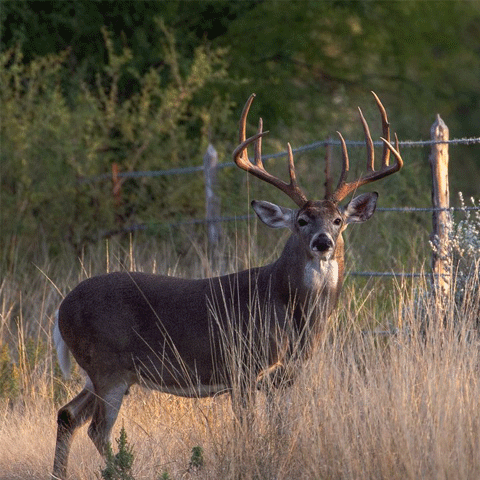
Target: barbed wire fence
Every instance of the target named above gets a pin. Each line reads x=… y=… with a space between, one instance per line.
x=303 y=149
x=441 y=211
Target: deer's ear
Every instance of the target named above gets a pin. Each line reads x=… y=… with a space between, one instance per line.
x=361 y=208
x=273 y=215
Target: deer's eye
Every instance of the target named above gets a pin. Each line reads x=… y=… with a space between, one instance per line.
x=302 y=222
x=337 y=221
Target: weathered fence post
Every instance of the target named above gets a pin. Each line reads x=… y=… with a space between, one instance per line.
x=212 y=201
x=442 y=221
x=116 y=185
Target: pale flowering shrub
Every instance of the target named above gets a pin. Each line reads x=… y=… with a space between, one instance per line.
x=465 y=240
x=462 y=254
x=465 y=249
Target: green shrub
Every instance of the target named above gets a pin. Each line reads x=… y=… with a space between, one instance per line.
x=196 y=460
x=119 y=466
x=59 y=135
x=9 y=375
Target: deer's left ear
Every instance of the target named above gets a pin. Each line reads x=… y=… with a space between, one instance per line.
x=361 y=208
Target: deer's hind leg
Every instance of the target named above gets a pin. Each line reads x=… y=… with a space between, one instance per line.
x=108 y=402
x=70 y=417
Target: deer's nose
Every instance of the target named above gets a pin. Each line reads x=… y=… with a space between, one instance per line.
x=322 y=243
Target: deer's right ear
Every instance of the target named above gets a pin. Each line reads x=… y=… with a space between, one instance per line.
x=273 y=215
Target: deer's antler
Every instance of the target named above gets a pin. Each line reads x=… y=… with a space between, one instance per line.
x=240 y=157
x=344 y=188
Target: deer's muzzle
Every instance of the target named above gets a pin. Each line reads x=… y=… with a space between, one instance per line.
x=322 y=243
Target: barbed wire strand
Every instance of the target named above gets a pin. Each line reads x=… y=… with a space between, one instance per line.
x=236 y=218
x=299 y=150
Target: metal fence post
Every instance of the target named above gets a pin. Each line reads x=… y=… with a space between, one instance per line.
x=442 y=221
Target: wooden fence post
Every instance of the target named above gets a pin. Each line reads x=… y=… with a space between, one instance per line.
x=442 y=221
x=116 y=185
x=212 y=201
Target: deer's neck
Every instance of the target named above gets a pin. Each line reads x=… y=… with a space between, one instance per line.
x=308 y=278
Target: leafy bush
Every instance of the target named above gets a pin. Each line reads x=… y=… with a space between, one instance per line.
x=56 y=128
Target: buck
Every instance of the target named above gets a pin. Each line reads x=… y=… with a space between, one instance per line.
x=172 y=334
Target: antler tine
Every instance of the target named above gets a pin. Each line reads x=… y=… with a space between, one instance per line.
x=396 y=153
x=257 y=169
x=240 y=155
x=345 y=168
x=368 y=142
x=293 y=177
x=344 y=188
x=243 y=119
x=385 y=130
x=258 y=146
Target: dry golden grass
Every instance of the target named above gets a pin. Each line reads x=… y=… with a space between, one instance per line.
x=401 y=406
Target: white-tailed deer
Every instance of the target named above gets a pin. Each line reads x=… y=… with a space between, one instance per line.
x=172 y=334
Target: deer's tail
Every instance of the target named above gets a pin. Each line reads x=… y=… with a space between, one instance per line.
x=63 y=354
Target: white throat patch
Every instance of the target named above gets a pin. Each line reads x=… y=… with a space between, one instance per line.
x=321 y=274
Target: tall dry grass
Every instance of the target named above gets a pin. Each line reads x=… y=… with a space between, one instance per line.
x=401 y=406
